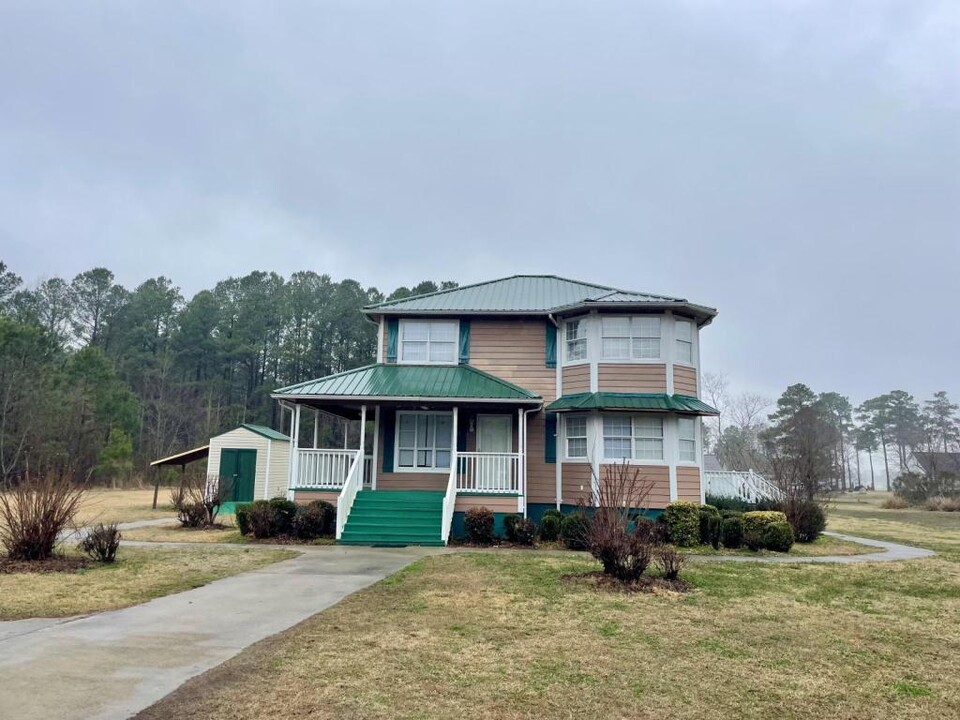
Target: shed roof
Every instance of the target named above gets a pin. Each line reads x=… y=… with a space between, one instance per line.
x=530 y=294
x=409 y=382
x=649 y=402
x=266 y=432
x=184 y=458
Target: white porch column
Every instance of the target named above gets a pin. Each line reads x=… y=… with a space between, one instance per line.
x=375 y=459
x=454 y=461
x=294 y=446
x=363 y=429
x=316 y=427
x=522 y=465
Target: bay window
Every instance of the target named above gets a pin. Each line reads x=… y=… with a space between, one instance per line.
x=428 y=341
x=687 y=433
x=626 y=338
x=576 y=434
x=424 y=441
x=637 y=437
x=684 y=337
x=575 y=336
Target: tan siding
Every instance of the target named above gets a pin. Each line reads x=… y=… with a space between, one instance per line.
x=412 y=481
x=577 y=483
x=632 y=377
x=302 y=497
x=495 y=503
x=243 y=439
x=514 y=350
x=279 y=468
x=684 y=380
x=576 y=379
x=688 y=483
x=541 y=476
x=658 y=476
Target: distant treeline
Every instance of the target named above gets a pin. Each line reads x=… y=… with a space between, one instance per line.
x=96 y=379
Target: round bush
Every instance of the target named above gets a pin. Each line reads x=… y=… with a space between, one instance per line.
x=807 y=519
x=479 y=524
x=574 y=530
x=710 y=528
x=778 y=536
x=510 y=523
x=262 y=520
x=524 y=531
x=683 y=523
x=753 y=524
x=242 y=516
x=553 y=512
x=731 y=532
x=549 y=528
x=283 y=511
x=312 y=520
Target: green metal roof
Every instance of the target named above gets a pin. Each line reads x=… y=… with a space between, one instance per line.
x=265 y=431
x=655 y=402
x=536 y=294
x=454 y=382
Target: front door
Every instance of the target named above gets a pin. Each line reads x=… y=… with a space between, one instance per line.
x=494 y=435
x=239 y=469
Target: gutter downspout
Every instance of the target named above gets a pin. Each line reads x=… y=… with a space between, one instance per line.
x=523 y=431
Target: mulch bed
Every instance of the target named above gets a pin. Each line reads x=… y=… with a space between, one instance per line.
x=56 y=564
x=645 y=584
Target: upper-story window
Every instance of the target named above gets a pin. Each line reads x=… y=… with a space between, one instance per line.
x=684 y=334
x=576 y=434
x=626 y=338
x=428 y=341
x=687 y=433
x=575 y=339
x=639 y=437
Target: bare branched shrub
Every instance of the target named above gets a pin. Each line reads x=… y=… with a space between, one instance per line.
x=613 y=537
x=198 y=498
x=670 y=561
x=101 y=542
x=34 y=513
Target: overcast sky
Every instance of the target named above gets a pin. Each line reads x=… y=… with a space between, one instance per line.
x=794 y=164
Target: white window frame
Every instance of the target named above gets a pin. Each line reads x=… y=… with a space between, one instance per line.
x=583 y=332
x=662 y=460
x=634 y=334
x=404 y=324
x=397 y=468
x=677 y=342
x=567 y=437
x=691 y=439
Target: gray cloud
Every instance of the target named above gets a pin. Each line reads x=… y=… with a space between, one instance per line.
x=796 y=165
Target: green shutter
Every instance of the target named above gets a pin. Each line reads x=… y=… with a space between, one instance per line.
x=393 y=330
x=388 y=418
x=551 y=345
x=464 y=342
x=550 y=441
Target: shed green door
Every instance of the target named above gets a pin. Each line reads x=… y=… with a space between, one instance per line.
x=240 y=468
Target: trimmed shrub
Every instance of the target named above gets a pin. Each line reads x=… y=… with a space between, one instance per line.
x=312 y=520
x=549 y=528
x=807 y=519
x=712 y=509
x=284 y=512
x=262 y=519
x=510 y=523
x=101 y=542
x=524 y=531
x=753 y=524
x=683 y=523
x=778 y=536
x=479 y=524
x=650 y=531
x=670 y=562
x=241 y=514
x=710 y=528
x=731 y=532
x=574 y=530
x=193 y=515
x=552 y=512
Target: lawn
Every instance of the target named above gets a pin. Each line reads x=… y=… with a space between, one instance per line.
x=503 y=634
x=100 y=505
x=227 y=534
x=138 y=575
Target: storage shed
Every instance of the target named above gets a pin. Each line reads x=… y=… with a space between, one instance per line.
x=256 y=457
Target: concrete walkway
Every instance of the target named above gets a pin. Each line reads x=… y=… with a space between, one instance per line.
x=114 y=664
x=891 y=553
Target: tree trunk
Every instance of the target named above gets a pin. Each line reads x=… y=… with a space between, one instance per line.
x=873 y=482
x=886 y=460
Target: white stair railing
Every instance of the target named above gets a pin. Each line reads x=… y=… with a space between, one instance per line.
x=449 y=503
x=348 y=494
x=742 y=485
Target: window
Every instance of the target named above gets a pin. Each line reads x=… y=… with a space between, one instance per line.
x=631 y=337
x=576 y=433
x=684 y=334
x=576 y=339
x=424 y=440
x=687 y=431
x=639 y=437
x=428 y=341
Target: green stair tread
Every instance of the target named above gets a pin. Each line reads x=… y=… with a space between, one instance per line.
x=395 y=518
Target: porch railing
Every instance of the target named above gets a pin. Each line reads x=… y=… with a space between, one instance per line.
x=449 y=503
x=323 y=469
x=351 y=486
x=747 y=485
x=488 y=472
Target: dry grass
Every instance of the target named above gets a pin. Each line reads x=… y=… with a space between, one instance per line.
x=824 y=545
x=121 y=506
x=138 y=575
x=499 y=634
x=177 y=533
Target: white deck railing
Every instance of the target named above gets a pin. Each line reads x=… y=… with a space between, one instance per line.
x=323 y=469
x=449 y=503
x=746 y=485
x=488 y=472
x=348 y=494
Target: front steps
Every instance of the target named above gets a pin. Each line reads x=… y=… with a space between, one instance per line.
x=395 y=517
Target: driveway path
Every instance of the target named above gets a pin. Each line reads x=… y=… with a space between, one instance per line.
x=891 y=552
x=114 y=664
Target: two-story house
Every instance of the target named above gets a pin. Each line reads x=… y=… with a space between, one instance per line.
x=510 y=394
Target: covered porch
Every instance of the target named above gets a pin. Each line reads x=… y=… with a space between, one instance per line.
x=449 y=433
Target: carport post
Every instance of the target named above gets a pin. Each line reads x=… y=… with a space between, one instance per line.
x=156 y=488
